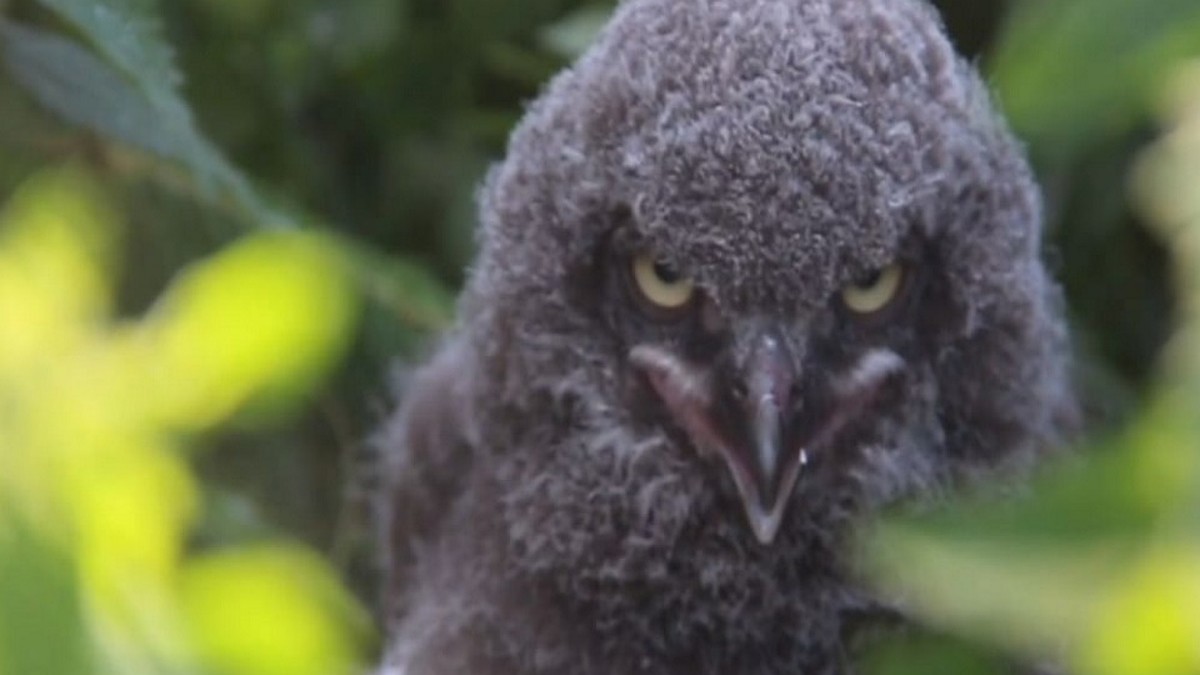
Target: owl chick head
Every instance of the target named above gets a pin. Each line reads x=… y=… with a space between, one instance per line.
x=749 y=261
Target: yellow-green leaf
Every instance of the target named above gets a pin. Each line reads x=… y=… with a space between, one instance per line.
x=256 y=324
x=1151 y=626
x=57 y=249
x=271 y=611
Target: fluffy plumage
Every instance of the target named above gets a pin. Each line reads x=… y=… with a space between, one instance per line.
x=550 y=511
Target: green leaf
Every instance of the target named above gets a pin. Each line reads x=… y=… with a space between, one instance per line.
x=1030 y=598
x=255 y=325
x=292 y=617
x=924 y=653
x=1030 y=575
x=41 y=622
x=129 y=35
x=70 y=81
x=1151 y=626
x=1101 y=566
x=138 y=103
x=1072 y=70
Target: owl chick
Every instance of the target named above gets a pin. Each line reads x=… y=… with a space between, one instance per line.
x=750 y=270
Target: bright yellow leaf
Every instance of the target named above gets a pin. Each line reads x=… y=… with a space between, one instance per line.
x=57 y=239
x=1151 y=625
x=260 y=320
x=90 y=414
x=271 y=611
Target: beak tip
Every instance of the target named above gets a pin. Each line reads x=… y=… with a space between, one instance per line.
x=764 y=507
x=765 y=525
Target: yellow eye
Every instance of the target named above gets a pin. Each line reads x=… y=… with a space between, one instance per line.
x=876 y=293
x=660 y=284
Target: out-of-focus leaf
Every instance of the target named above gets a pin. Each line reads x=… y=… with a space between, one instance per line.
x=128 y=34
x=1152 y=625
x=26 y=133
x=79 y=463
x=574 y=33
x=57 y=251
x=1166 y=180
x=69 y=80
x=1070 y=70
x=41 y=622
x=407 y=290
x=141 y=106
x=1038 y=576
x=271 y=611
x=1116 y=590
x=255 y=325
x=1034 y=600
x=90 y=458
x=928 y=655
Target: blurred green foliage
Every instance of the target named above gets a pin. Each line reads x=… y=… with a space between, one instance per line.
x=96 y=497
x=240 y=170
x=1099 y=567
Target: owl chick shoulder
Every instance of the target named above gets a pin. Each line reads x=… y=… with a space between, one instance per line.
x=750 y=270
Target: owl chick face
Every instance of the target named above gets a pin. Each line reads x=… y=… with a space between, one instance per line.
x=750 y=261
x=769 y=395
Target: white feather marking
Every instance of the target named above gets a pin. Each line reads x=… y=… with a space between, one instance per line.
x=870 y=370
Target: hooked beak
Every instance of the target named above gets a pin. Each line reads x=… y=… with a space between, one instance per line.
x=764 y=467
x=762 y=443
x=766 y=475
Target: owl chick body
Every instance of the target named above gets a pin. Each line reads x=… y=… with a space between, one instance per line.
x=750 y=270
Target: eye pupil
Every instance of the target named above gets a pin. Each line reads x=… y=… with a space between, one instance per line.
x=661 y=285
x=869 y=280
x=666 y=273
